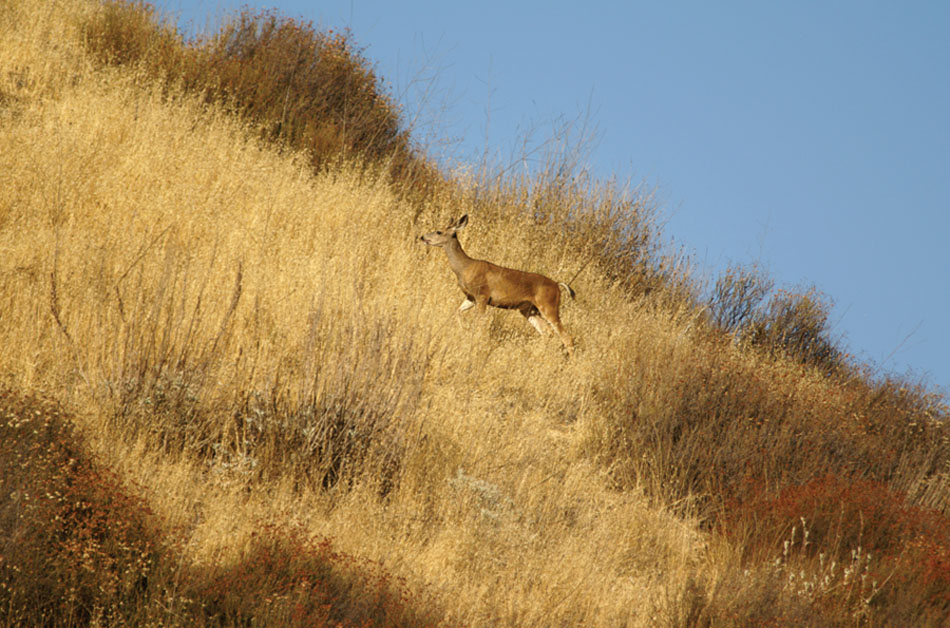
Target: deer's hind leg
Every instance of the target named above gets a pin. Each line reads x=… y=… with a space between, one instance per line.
x=534 y=317
x=550 y=314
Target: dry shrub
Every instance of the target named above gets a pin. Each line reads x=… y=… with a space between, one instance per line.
x=790 y=324
x=350 y=420
x=312 y=91
x=719 y=421
x=796 y=324
x=75 y=546
x=737 y=298
x=342 y=411
x=124 y=33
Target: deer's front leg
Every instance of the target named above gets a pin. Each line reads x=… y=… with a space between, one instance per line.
x=467 y=304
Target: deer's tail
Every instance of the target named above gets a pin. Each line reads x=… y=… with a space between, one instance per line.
x=570 y=290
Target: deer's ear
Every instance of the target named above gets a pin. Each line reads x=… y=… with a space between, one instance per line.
x=461 y=222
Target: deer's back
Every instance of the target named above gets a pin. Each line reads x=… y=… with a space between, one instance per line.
x=505 y=287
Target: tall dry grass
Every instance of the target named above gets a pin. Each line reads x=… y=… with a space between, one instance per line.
x=221 y=320
x=254 y=347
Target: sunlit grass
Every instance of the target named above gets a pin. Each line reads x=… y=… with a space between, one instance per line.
x=268 y=357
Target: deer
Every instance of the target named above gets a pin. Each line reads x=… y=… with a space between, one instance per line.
x=535 y=296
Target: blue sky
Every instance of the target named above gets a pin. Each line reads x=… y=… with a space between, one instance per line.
x=812 y=138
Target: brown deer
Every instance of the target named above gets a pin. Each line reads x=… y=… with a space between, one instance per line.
x=484 y=283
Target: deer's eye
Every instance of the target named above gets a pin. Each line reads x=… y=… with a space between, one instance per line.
x=438 y=233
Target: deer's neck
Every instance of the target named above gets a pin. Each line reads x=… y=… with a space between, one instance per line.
x=458 y=259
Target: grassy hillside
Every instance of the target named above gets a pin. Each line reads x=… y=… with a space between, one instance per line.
x=274 y=414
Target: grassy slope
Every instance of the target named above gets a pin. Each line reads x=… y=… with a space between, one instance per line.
x=205 y=306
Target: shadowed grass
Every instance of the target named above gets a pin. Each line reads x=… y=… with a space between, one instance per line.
x=79 y=548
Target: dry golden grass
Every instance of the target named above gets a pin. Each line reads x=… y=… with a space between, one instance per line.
x=158 y=262
x=252 y=345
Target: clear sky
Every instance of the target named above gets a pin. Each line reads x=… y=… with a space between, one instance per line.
x=810 y=137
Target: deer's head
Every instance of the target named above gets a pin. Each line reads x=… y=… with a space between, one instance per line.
x=444 y=236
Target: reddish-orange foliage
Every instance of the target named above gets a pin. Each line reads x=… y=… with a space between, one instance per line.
x=911 y=545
